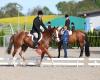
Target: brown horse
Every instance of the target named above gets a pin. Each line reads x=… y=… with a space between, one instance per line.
x=23 y=41
x=78 y=37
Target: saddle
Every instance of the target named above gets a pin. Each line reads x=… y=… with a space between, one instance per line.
x=33 y=37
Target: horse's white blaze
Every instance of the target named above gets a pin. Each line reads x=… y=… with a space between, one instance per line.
x=57 y=36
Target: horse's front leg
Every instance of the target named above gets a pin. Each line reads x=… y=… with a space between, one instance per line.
x=20 y=53
x=42 y=56
x=46 y=50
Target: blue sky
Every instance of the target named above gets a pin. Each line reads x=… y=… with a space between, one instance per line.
x=30 y=4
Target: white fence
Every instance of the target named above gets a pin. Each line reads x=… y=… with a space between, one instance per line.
x=4 y=40
x=94 y=62
x=51 y=62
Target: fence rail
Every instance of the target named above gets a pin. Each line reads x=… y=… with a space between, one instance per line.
x=75 y=62
x=93 y=40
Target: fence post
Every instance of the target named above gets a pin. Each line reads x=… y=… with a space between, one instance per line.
x=12 y=30
x=3 y=41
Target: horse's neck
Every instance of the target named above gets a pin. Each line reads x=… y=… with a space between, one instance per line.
x=47 y=34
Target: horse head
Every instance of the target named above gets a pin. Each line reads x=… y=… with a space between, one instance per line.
x=55 y=34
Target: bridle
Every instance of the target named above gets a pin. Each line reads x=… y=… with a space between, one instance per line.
x=55 y=37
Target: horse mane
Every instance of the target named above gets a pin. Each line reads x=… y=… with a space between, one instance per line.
x=48 y=31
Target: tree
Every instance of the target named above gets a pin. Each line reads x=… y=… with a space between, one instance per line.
x=1 y=14
x=72 y=8
x=11 y=10
x=97 y=2
x=35 y=10
x=86 y=5
x=45 y=10
x=67 y=7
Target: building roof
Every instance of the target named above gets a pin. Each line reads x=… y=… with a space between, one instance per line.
x=92 y=12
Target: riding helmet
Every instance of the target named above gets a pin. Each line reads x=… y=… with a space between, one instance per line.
x=66 y=15
x=40 y=12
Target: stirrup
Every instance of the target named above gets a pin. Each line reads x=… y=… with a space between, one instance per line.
x=35 y=47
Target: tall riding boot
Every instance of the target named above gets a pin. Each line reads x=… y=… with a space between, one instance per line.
x=35 y=43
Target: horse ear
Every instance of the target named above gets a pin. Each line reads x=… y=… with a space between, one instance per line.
x=54 y=27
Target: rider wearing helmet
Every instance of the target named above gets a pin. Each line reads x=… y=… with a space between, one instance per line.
x=37 y=22
x=67 y=22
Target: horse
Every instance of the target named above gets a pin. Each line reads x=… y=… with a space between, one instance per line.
x=23 y=41
x=78 y=37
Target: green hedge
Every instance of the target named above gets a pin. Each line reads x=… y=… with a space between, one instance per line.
x=1 y=37
x=94 y=38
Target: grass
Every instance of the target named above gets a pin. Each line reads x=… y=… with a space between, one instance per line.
x=23 y=21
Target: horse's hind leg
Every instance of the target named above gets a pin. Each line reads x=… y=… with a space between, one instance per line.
x=23 y=49
x=13 y=54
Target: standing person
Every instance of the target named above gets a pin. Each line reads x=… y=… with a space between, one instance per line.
x=37 y=22
x=65 y=39
x=73 y=26
x=67 y=22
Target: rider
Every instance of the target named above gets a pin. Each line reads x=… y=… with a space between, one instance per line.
x=73 y=26
x=67 y=22
x=49 y=25
x=37 y=22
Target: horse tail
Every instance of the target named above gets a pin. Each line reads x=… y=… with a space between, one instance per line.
x=10 y=44
x=87 y=51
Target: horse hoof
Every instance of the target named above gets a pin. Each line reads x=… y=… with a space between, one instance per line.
x=58 y=56
x=80 y=56
x=38 y=65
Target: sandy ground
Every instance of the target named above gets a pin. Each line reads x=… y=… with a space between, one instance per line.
x=50 y=73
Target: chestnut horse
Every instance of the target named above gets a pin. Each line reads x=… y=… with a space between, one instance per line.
x=78 y=37
x=23 y=41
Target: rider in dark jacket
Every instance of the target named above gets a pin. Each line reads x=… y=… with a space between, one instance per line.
x=37 y=22
x=67 y=22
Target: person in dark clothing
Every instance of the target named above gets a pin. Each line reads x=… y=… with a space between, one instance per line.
x=65 y=39
x=73 y=26
x=67 y=22
x=37 y=22
x=49 y=25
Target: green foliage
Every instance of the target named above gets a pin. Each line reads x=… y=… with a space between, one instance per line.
x=94 y=39
x=67 y=7
x=45 y=10
x=1 y=37
x=72 y=8
x=86 y=5
x=11 y=10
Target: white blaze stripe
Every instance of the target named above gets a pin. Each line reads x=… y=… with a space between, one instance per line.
x=57 y=36
x=57 y=33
